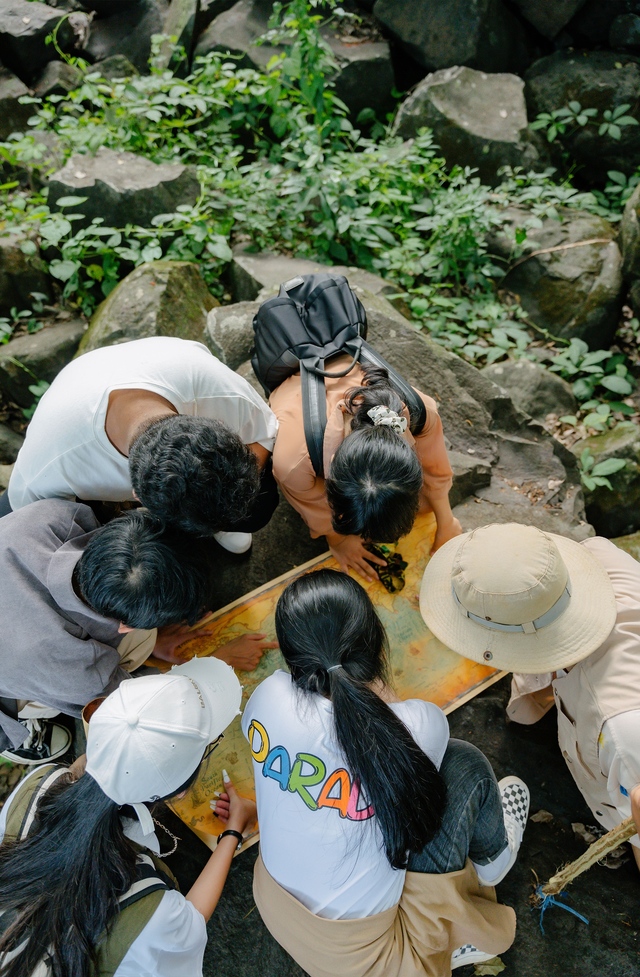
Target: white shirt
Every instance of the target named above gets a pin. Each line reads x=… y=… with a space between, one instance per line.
x=67 y=454
x=319 y=840
x=173 y=942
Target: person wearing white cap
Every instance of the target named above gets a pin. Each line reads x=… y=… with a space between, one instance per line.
x=81 y=876
x=564 y=617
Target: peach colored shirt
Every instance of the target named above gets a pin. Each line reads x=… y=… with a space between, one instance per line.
x=292 y=465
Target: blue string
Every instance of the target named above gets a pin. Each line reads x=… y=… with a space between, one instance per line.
x=552 y=901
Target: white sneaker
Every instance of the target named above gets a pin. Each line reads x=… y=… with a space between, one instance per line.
x=469 y=954
x=515 y=807
x=47 y=741
x=234 y=542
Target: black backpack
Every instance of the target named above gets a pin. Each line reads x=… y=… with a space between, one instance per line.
x=313 y=319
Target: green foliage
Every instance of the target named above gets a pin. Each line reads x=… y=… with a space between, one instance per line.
x=590 y=370
x=594 y=474
x=38 y=388
x=572 y=117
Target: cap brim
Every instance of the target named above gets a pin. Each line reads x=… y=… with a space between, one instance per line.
x=579 y=630
x=220 y=690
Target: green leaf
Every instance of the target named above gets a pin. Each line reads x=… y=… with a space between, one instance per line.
x=608 y=466
x=588 y=483
x=63 y=270
x=219 y=248
x=569 y=419
x=70 y=201
x=595 y=420
x=617 y=177
x=28 y=247
x=617 y=384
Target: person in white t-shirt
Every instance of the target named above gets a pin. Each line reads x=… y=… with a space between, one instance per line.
x=160 y=420
x=369 y=815
x=89 y=833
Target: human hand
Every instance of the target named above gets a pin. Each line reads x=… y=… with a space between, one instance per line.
x=635 y=806
x=244 y=652
x=171 y=637
x=445 y=532
x=352 y=553
x=236 y=811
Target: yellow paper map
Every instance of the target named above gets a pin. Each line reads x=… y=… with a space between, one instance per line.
x=422 y=667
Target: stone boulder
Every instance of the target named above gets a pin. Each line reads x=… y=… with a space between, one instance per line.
x=615 y=512
x=478 y=120
x=229 y=333
x=105 y=8
x=548 y=18
x=180 y=23
x=630 y=544
x=595 y=79
x=364 y=78
x=24 y=28
x=10 y=444
x=13 y=115
x=42 y=153
x=159 y=298
x=127 y=31
x=630 y=237
x=533 y=389
x=20 y=273
x=37 y=356
x=590 y=26
x=115 y=66
x=569 y=277
x=624 y=34
x=58 y=78
x=442 y=33
x=124 y=188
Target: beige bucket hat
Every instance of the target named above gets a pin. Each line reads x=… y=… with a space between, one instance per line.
x=517 y=598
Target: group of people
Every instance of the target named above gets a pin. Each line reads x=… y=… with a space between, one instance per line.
x=381 y=839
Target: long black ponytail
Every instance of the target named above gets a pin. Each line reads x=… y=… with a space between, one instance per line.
x=324 y=619
x=59 y=887
x=373 y=485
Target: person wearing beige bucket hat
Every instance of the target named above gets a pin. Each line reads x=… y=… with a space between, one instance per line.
x=110 y=905
x=564 y=617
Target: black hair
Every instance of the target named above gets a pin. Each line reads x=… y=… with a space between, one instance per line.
x=144 y=574
x=60 y=887
x=325 y=619
x=373 y=486
x=194 y=473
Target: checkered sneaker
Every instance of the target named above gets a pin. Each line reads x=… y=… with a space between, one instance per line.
x=515 y=801
x=469 y=954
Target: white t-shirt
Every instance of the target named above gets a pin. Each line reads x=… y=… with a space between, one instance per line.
x=67 y=454
x=318 y=837
x=173 y=942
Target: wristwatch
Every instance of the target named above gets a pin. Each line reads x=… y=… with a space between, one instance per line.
x=236 y=834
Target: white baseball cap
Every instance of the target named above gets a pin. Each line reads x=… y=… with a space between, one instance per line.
x=148 y=737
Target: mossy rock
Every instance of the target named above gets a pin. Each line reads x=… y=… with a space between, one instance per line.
x=159 y=298
x=615 y=511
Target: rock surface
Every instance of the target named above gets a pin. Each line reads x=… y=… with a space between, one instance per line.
x=572 y=288
x=478 y=119
x=115 y=66
x=128 y=32
x=20 y=274
x=229 y=332
x=24 y=27
x=630 y=237
x=10 y=444
x=159 y=298
x=624 y=34
x=482 y=34
x=548 y=18
x=40 y=356
x=13 y=115
x=533 y=389
x=58 y=78
x=616 y=511
x=595 y=79
x=124 y=188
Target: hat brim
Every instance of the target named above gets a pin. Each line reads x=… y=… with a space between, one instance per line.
x=220 y=688
x=578 y=631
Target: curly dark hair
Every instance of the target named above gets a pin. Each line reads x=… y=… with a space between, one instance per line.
x=194 y=473
x=136 y=571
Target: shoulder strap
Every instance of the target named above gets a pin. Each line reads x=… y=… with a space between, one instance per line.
x=415 y=404
x=314 y=415
x=22 y=810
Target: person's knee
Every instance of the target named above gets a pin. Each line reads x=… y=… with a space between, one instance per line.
x=464 y=762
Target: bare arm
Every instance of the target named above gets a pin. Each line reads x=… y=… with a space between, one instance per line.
x=448 y=525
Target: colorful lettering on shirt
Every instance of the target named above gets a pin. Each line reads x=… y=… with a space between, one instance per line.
x=276 y=765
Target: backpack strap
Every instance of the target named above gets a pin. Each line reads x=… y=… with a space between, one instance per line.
x=314 y=415
x=415 y=404
x=23 y=806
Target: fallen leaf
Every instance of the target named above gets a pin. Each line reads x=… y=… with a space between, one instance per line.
x=583 y=833
x=542 y=817
x=489 y=968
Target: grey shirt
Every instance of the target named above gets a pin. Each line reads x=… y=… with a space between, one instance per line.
x=53 y=648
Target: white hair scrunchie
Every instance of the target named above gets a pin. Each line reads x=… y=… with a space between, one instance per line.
x=383 y=416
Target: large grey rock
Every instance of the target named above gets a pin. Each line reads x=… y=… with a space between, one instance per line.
x=128 y=32
x=229 y=332
x=590 y=26
x=548 y=17
x=39 y=356
x=595 y=79
x=624 y=34
x=180 y=23
x=572 y=288
x=115 y=66
x=616 y=511
x=41 y=154
x=482 y=34
x=478 y=119
x=10 y=444
x=58 y=78
x=364 y=77
x=20 y=274
x=630 y=544
x=159 y=298
x=24 y=28
x=124 y=188
x=532 y=388
x=630 y=237
x=13 y=115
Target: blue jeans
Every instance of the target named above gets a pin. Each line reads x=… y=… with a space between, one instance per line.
x=473 y=823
